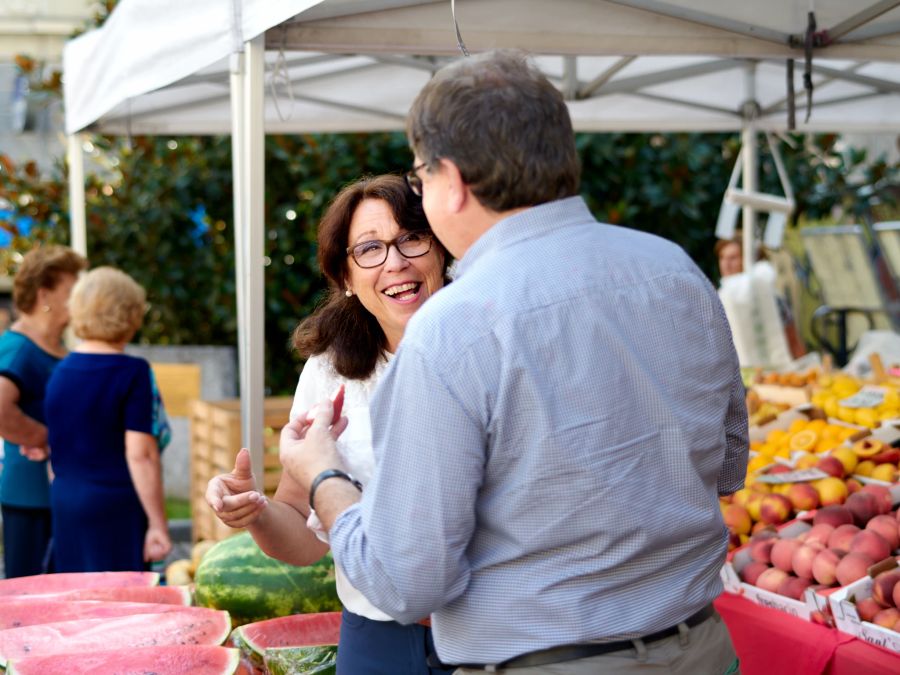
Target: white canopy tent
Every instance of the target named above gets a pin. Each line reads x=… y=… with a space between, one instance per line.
x=251 y=67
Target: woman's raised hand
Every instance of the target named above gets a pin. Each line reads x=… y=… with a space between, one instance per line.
x=233 y=496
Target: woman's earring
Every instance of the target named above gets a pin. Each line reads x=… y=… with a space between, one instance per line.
x=348 y=293
x=45 y=308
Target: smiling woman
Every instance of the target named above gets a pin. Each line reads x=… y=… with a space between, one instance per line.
x=382 y=262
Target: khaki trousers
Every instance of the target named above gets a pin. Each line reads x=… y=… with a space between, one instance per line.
x=705 y=649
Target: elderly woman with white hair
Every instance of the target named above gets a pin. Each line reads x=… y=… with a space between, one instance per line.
x=102 y=408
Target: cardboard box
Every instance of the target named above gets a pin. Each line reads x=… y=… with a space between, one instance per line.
x=808 y=608
x=847 y=620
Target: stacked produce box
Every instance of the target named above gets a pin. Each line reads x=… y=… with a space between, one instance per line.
x=816 y=531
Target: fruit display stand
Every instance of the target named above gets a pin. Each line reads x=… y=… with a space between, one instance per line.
x=215 y=440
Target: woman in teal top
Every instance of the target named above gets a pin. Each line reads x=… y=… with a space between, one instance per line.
x=29 y=351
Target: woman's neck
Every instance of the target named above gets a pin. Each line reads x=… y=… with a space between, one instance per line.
x=100 y=347
x=43 y=333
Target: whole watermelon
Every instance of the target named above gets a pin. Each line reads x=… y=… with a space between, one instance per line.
x=235 y=575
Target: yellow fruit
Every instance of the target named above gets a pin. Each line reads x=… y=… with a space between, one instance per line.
x=817 y=425
x=776 y=436
x=806 y=461
x=846 y=432
x=889 y=414
x=845 y=414
x=891 y=399
x=803 y=440
x=866 y=417
x=864 y=468
x=847 y=457
x=885 y=472
x=758 y=462
x=831 y=406
x=755 y=445
x=797 y=425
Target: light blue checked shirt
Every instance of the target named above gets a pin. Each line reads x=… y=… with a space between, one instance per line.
x=551 y=440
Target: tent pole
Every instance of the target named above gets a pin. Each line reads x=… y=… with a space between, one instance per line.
x=253 y=155
x=77 y=209
x=750 y=169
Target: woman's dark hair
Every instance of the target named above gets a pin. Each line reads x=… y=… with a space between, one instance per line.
x=341 y=325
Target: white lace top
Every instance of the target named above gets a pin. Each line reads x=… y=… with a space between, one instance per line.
x=318 y=382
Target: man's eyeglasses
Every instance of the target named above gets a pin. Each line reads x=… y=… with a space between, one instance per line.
x=413 y=180
x=373 y=253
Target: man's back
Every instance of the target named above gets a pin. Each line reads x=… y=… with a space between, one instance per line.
x=597 y=363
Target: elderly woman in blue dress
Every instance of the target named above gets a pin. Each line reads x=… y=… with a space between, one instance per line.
x=102 y=409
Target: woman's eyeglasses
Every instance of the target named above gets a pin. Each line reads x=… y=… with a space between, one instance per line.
x=373 y=253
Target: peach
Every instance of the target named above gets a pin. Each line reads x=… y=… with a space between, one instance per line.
x=887 y=527
x=885 y=472
x=884 y=495
x=802 y=562
x=887 y=456
x=761 y=549
x=751 y=571
x=793 y=587
x=753 y=504
x=864 y=506
x=883 y=587
x=775 y=509
x=762 y=528
x=895 y=596
x=834 y=515
x=853 y=485
x=820 y=533
x=783 y=553
x=803 y=496
x=887 y=617
x=825 y=565
x=851 y=567
x=741 y=496
x=737 y=519
x=771 y=579
x=831 y=490
x=867 y=608
x=871 y=543
x=842 y=536
x=832 y=466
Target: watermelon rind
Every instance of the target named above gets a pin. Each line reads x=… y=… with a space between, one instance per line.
x=170 y=660
x=67 y=581
x=126 y=632
x=235 y=575
x=299 y=630
x=301 y=660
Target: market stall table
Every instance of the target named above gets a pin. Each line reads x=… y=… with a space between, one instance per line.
x=770 y=642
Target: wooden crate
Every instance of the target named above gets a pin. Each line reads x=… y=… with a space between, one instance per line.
x=215 y=441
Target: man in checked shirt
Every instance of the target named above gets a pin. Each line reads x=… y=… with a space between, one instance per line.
x=558 y=423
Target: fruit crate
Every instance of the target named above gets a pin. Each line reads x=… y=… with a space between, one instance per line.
x=215 y=441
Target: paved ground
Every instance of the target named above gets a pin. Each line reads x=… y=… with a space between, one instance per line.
x=180 y=531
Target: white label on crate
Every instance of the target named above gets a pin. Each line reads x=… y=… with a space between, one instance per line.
x=867 y=397
x=781 y=606
x=792 y=476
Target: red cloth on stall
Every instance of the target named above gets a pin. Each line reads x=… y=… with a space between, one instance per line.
x=769 y=642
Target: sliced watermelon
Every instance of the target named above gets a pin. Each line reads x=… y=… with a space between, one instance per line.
x=298 y=630
x=313 y=631
x=67 y=581
x=32 y=612
x=166 y=595
x=170 y=660
x=208 y=627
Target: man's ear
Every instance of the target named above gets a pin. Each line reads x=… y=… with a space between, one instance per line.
x=457 y=194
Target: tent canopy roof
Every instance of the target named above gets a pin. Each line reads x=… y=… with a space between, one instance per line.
x=162 y=66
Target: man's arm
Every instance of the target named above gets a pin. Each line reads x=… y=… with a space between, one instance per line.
x=15 y=426
x=737 y=441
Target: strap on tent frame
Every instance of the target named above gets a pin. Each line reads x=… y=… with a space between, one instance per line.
x=778 y=207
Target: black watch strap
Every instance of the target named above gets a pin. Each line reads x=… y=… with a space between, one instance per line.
x=325 y=475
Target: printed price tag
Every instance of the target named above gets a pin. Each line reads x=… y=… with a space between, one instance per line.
x=867 y=397
x=793 y=476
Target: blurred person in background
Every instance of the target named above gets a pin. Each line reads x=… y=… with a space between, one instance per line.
x=106 y=428
x=29 y=351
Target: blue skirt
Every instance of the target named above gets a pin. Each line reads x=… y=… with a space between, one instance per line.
x=371 y=647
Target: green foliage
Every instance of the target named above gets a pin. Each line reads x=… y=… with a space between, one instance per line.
x=161 y=209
